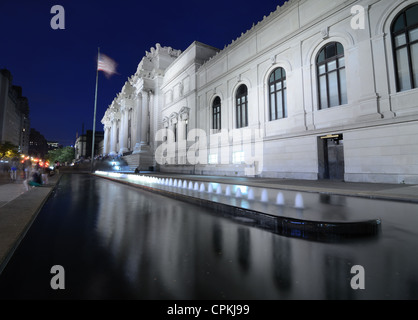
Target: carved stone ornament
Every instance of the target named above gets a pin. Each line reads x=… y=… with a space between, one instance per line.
x=174 y=117
x=166 y=121
x=325 y=33
x=184 y=113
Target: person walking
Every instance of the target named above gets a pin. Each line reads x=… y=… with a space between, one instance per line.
x=13 y=171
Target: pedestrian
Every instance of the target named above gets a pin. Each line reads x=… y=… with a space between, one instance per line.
x=13 y=171
x=36 y=180
x=26 y=170
x=57 y=167
x=45 y=176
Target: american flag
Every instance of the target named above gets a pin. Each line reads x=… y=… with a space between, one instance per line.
x=106 y=64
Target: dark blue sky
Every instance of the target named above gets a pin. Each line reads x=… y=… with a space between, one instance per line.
x=57 y=68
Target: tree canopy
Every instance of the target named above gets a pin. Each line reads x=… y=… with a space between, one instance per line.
x=61 y=155
x=8 y=150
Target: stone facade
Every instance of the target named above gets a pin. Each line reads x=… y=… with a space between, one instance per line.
x=329 y=88
x=83 y=143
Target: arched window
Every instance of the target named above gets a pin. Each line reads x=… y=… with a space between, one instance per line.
x=277 y=94
x=405 y=46
x=216 y=114
x=332 y=90
x=241 y=99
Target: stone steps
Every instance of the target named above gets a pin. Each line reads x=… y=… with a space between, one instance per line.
x=132 y=160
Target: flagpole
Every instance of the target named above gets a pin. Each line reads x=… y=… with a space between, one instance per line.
x=95 y=104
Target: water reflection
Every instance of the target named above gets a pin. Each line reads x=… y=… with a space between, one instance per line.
x=243 y=248
x=115 y=241
x=217 y=238
x=282 y=256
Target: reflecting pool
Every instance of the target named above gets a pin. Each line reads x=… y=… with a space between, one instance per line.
x=118 y=242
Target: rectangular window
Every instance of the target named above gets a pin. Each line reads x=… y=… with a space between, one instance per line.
x=246 y=114
x=323 y=92
x=413 y=35
x=403 y=69
x=279 y=104
x=273 y=107
x=414 y=60
x=400 y=40
x=285 y=102
x=332 y=65
x=333 y=89
x=216 y=117
x=343 y=87
x=239 y=121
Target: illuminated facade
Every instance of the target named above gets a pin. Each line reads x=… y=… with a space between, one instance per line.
x=330 y=88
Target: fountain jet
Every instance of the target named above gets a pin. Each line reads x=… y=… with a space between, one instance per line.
x=264 y=196
x=280 y=199
x=228 y=191
x=238 y=193
x=299 y=201
x=251 y=194
x=219 y=189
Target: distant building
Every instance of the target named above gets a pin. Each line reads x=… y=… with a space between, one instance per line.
x=52 y=145
x=14 y=113
x=83 y=144
x=38 y=146
x=100 y=148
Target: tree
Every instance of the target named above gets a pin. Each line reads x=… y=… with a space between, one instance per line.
x=8 y=150
x=61 y=155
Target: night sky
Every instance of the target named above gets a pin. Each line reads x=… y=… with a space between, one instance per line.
x=57 y=68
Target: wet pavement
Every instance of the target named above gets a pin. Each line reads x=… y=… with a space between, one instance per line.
x=118 y=242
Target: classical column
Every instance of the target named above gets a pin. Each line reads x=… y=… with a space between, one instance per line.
x=145 y=118
x=117 y=135
x=138 y=117
x=112 y=149
x=106 y=139
x=151 y=118
x=129 y=128
x=123 y=131
x=184 y=120
x=174 y=127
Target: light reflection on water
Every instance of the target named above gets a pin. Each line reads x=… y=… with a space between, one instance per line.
x=115 y=241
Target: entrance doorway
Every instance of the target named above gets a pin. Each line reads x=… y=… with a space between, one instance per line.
x=331 y=157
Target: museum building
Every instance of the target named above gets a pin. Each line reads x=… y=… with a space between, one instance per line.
x=318 y=89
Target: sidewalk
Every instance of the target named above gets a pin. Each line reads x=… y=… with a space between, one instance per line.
x=383 y=191
x=18 y=209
